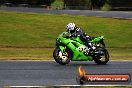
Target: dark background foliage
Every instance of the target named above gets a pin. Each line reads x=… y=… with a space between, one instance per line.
x=76 y=4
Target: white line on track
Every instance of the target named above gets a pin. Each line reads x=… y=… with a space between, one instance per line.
x=121 y=60
x=63 y=86
x=92 y=85
x=54 y=60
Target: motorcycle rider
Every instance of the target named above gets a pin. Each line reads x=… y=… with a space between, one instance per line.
x=76 y=31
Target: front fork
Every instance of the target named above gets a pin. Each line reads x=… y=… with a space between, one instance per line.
x=62 y=48
x=71 y=47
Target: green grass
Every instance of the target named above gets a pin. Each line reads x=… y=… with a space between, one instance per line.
x=46 y=54
x=41 y=30
x=26 y=53
x=120 y=54
x=26 y=30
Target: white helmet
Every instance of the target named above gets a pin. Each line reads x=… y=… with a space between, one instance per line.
x=70 y=27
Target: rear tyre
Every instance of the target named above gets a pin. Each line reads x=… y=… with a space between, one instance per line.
x=102 y=59
x=60 y=58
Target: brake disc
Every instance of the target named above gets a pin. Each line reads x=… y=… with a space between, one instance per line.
x=63 y=57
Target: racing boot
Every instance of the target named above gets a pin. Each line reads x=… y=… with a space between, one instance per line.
x=91 y=50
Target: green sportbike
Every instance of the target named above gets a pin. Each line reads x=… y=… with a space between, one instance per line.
x=73 y=49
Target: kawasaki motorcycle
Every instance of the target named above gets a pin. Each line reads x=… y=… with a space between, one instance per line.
x=73 y=49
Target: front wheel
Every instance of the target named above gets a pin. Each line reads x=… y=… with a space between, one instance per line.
x=103 y=58
x=61 y=58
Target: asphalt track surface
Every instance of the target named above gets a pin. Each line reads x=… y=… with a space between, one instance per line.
x=49 y=73
x=113 y=14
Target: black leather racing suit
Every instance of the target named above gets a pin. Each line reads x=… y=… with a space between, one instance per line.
x=83 y=36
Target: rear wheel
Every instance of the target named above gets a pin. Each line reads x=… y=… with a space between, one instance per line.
x=103 y=58
x=61 y=58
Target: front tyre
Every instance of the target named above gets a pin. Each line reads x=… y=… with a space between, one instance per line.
x=61 y=58
x=103 y=58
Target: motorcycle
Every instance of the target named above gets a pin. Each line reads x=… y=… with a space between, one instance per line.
x=73 y=49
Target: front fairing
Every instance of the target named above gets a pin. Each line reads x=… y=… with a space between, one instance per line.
x=60 y=39
x=72 y=43
x=61 y=35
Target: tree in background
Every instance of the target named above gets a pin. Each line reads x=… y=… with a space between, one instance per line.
x=84 y=4
x=30 y=2
x=48 y=3
x=96 y=4
x=15 y=2
x=74 y=4
x=58 y=4
x=39 y=2
x=1 y=2
x=77 y=4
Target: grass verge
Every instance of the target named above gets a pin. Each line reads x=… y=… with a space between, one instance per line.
x=19 y=29
x=46 y=54
x=32 y=32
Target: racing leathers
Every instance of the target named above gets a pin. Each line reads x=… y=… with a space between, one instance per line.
x=84 y=37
